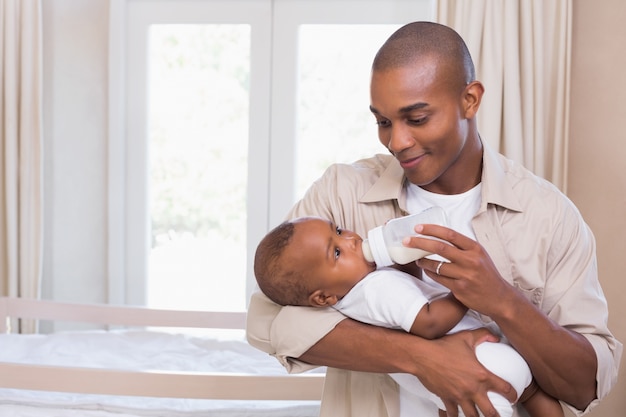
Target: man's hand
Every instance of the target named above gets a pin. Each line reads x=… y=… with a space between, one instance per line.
x=471 y=274
x=454 y=374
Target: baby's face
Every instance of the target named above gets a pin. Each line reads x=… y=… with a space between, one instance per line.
x=332 y=255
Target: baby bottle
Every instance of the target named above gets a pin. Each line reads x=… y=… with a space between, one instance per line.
x=384 y=243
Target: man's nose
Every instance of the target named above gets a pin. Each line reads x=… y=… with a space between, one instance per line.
x=400 y=138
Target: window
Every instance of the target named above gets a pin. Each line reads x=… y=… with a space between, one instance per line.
x=232 y=109
x=198 y=89
x=334 y=123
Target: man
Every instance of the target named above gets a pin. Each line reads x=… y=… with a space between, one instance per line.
x=520 y=254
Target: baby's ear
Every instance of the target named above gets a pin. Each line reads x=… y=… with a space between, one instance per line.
x=319 y=298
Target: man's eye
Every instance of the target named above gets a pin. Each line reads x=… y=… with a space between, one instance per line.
x=337 y=252
x=417 y=121
x=383 y=123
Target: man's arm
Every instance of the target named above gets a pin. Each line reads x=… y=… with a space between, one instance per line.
x=305 y=337
x=549 y=349
x=447 y=367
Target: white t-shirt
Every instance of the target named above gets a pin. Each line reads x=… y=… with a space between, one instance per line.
x=460 y=208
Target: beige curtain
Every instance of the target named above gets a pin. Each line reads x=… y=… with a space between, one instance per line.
x=521 y=49
x=21 y=211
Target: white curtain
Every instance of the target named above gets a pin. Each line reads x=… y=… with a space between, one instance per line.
x=521 y=49
x=21 y=225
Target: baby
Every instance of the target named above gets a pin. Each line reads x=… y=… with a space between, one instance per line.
x=312 y=262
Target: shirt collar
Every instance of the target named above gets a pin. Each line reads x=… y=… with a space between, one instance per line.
x=389 y=186
x=496 y=187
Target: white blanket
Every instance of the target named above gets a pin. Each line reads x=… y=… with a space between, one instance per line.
x=140 y=350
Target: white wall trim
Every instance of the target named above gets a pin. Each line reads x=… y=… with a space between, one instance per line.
x=116 y=249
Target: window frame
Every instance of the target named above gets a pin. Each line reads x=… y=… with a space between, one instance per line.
x=272 y=117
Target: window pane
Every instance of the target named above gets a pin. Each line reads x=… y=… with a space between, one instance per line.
x=198 y=132
x=334 y=121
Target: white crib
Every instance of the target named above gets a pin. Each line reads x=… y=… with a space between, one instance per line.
x=137 y=369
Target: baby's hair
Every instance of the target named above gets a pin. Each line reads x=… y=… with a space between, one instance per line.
x=281 y=284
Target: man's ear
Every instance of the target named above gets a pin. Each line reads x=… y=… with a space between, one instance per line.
x=472 y=96
x=319 y=298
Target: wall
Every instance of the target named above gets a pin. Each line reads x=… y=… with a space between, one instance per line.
x=75 y=82
x=597 y=178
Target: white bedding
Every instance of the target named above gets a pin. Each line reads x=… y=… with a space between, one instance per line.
x=140 y=350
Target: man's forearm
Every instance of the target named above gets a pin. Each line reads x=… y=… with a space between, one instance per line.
x=447 y=366
x=563 y=362
x=361 y=347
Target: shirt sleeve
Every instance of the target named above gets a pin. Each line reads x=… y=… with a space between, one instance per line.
x=287 y=332
x=581 y=305
x=556 y=269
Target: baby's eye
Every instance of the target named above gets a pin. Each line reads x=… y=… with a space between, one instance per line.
x=338 y=230
x=337 y=253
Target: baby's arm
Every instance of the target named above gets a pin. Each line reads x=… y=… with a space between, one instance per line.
x=438 y=317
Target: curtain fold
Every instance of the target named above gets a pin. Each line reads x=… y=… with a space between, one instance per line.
x=522 y=52
x=21 y=170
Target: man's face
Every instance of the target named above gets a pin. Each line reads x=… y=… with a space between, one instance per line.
x=421 y=120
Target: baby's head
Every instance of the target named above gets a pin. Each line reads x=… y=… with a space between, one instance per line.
x=309 y=262
x=276 y=278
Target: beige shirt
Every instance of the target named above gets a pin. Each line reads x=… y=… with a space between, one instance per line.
x=535 y=236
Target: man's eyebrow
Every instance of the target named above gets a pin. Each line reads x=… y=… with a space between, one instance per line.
x=407 y=109
x=417 y=106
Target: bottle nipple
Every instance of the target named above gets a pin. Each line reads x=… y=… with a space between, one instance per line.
x=367 y=251
x=378 y=248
